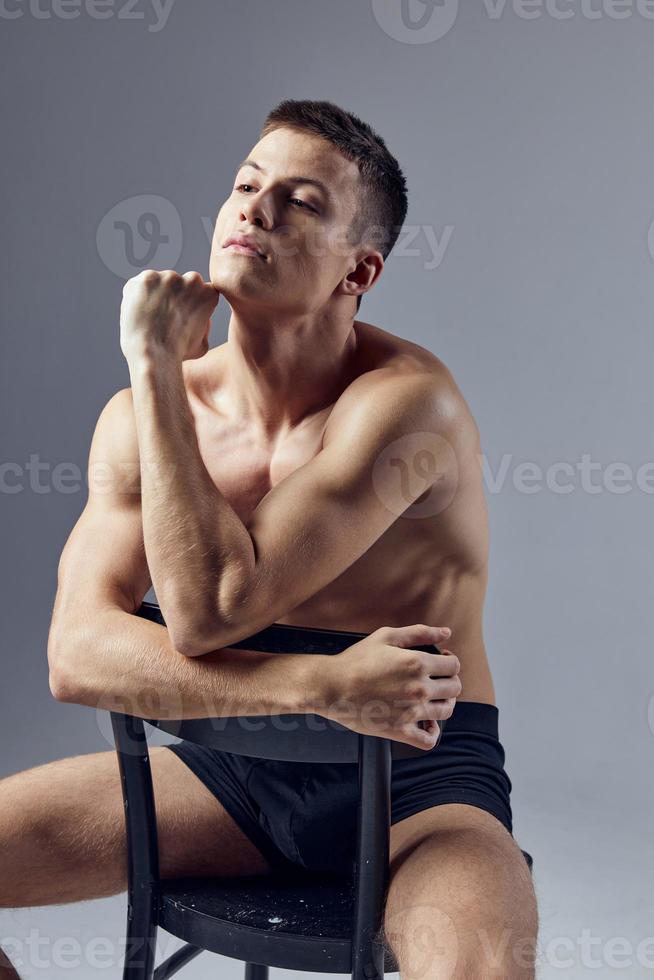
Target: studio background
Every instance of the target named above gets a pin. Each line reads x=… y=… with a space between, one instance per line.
x=525 y=265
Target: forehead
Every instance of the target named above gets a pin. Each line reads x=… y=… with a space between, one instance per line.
x=288 y=153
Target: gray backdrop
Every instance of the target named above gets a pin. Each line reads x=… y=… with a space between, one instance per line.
x=525 y=132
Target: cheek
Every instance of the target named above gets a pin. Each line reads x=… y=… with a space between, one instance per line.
x=218 y=233
x=224 y=223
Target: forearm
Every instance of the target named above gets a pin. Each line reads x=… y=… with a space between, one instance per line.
x=121 y=662
x=197 y=547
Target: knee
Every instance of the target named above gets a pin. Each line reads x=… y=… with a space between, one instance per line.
x=472 y=939
x=501 y=948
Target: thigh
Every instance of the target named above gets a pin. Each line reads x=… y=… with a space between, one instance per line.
x=74 y=807
x=460 y=892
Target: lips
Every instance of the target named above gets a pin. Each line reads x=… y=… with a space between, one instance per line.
x=247 y=242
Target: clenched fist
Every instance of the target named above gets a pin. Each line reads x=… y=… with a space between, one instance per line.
x=381 y=686
x=163 y=312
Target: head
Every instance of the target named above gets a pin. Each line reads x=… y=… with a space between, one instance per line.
x=323 y=199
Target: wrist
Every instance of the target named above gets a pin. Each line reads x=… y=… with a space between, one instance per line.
x=152 y=359
x=317 y=683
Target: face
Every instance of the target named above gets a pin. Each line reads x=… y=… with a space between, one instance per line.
x=300 y=226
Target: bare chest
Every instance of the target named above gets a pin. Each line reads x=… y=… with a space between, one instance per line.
x=396 y=575
x=242 y=466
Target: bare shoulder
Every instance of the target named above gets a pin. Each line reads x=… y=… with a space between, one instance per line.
x=116 y=447
x=114 y=455
x=400 y=371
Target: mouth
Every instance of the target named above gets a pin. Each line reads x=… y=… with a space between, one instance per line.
x=244 y=246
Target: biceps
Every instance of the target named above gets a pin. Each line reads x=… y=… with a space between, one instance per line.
x=103 y=563
x=306 y=538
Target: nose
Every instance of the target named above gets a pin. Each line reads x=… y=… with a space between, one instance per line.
x=255 y=210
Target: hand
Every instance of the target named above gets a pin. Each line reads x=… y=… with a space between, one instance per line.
x=163 y=312
x=380 y=686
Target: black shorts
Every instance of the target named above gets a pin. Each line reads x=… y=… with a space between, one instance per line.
x=301 y=813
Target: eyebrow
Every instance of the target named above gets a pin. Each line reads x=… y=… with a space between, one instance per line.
x=295 y=180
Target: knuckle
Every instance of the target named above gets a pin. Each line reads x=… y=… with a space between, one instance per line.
x=417 y=691
x=448 y=708
x=414 y=666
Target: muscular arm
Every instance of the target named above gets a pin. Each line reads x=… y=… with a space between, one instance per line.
x=102 y=655
x=217 y=580
x=196 y=545
x=121 y=662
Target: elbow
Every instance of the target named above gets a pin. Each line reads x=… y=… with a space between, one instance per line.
x=60 y=679
x=188 y=646
x=196 y=642
x=63 y=678
x=191 y=639
x=60 y=688
x=225 y=621
x=218 y=634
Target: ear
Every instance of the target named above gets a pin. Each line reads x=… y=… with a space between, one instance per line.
x=365 y=274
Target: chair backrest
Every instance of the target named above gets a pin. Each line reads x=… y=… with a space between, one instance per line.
x=301 y=738
x=285 y=737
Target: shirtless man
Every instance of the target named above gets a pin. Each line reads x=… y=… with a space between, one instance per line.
x=313 y=470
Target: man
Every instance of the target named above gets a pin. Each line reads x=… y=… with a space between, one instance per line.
x=314 y=470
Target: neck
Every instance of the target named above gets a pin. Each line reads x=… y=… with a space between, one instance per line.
x=278 y=374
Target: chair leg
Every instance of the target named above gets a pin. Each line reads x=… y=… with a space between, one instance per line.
x=176 y=961
x=256 y=971
x=142 y=846
x=140 y=949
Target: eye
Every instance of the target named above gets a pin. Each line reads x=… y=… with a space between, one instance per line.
x=294 y=200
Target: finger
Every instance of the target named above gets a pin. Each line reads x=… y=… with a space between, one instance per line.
x=442 y=688
x=424 y=738
x=429 y=711
x=415 y=635
x=437 y=710
x=430 y=725
x=434 y=729
x=441 y=666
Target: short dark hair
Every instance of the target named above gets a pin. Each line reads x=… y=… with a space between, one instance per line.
x=384 y=203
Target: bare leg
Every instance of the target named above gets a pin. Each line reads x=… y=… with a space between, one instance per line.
x=7 y=971
x=461 y=901
x=62 y=831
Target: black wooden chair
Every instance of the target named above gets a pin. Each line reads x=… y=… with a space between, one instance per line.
x=319 y=922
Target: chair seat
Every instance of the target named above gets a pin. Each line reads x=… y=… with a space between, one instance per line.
x=299 y=922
